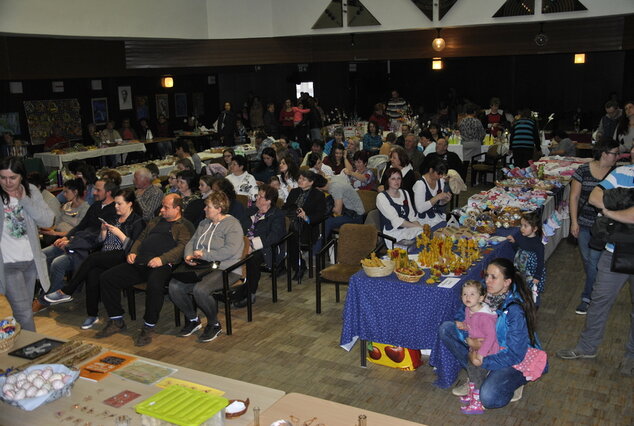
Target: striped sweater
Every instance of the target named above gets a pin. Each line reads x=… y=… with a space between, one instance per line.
x=524 y=134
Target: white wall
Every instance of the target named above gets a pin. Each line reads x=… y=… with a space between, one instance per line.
x=220 y=19
x=106 y=18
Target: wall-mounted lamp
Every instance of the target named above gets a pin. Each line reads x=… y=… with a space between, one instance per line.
x=580 y=58
x=167 y=82
x=439 y=43
x=436 y=64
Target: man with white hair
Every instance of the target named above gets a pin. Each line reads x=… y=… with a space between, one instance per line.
x=148 y=196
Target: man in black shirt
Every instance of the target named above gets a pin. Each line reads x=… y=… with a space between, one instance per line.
x=451 y=158
x=152 y=256
x=59 y=261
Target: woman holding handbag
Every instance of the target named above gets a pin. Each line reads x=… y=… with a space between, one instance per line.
x=218 y=238
x=583 y=214
x=520 y=358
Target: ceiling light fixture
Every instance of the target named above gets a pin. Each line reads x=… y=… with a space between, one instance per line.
x=167 y=82
x=436 y=64
x=580 y=58
x=439 y=43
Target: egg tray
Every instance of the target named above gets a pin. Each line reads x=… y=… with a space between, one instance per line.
x=29 y=404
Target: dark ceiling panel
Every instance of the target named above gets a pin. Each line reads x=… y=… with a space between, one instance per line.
x=425 y=6
x=559 y=6
x=444 y=6
x=359 y=15
x=332 y=16
x=516 y=8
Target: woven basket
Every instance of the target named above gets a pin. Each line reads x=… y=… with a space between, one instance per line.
x=409 y=278
x=380 y=271
x=7 y=344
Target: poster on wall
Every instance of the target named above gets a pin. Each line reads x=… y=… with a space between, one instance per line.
x=162 y=106
x=198 y=104
x=44 y=116
x=125 y=97
x=10 y=122
x=99 y=110
x=180 y=104
x=142 y=107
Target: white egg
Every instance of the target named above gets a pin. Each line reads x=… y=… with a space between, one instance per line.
x=32 y=376
x=25 y=385
x=56 y=376
x=46 y=387
x=8 y=387
x=47 y=373
x=57 y=384
x=67 y=378
x=41 y=392
x=9 y=395
x=19 y=395
x=30 y=392
x=12 y=379
x=38 y=382
x=20 y=376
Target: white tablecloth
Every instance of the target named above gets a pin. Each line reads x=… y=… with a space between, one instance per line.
x=457 y=148
x=56 y=161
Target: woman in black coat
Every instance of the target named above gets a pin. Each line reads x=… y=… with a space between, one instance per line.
x=266 y=227
x=227 y=125
x=306 y=207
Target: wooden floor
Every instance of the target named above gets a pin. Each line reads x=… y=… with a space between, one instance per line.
x=289 y=347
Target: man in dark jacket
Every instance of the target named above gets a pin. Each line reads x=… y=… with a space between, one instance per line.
x=152 y=256
x=451 y=158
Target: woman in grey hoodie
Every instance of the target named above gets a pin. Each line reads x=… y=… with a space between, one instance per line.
x=220 y=238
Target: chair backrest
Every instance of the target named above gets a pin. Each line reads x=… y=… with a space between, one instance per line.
x=355 y=243
x=368 y=198
x=245 y=253
x=243 y=199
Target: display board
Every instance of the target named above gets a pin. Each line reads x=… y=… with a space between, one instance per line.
x=43 y=117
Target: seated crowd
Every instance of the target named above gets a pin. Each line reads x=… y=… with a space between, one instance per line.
x=112 y=239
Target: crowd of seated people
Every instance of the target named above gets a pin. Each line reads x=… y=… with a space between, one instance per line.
x=203 y=211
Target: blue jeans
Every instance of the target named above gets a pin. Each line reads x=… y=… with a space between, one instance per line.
x=499 y=385
x=590 y=259
x=334 y=223
x=59 y=263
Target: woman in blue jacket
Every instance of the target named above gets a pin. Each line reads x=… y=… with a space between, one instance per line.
x=509 y=296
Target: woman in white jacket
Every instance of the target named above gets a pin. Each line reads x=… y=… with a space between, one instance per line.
x=24 y=210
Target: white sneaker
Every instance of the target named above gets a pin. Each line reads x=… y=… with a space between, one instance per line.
x=517 y=395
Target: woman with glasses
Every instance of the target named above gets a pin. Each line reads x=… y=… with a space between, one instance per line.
x=583 y=215
x=70 y=213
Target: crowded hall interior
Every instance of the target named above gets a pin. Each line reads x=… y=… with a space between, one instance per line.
x=332 y=212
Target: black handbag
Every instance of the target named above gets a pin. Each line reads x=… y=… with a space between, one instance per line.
x=623 y=258
x=194 y=273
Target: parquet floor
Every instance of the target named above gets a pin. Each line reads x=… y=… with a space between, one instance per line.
x=289 y=347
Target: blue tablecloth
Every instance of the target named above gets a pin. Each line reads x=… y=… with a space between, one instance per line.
x=387 y=310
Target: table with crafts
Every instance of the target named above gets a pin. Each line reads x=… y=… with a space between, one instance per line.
x=85 y=405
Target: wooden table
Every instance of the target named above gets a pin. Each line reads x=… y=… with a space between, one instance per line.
x=303 y=408
x=90 y=395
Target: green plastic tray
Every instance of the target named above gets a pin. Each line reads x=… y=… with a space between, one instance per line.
x=182 y=406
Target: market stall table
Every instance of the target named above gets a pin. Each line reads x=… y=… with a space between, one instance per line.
x=88 y=395
x=301 y=409
x=387 y=310
x=56 y=161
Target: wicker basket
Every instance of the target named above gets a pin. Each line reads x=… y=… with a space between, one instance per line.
x=7 y=344
x=380 y=271
x=409 y=278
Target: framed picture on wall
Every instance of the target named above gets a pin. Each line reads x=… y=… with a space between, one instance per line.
x=99 y=110
x=180 y=104
x=142 y=107
x=125 y=97
x=162 y=106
